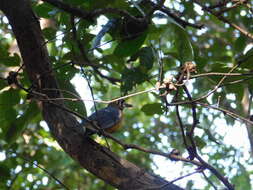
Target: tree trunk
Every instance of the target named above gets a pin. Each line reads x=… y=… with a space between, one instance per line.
x=90 y=155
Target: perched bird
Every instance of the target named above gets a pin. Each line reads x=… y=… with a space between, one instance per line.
x=108 y=119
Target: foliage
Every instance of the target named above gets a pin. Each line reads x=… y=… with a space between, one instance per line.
x=138 y=59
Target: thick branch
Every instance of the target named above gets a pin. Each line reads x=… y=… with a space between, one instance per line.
x=95 y=158
x=89 y=15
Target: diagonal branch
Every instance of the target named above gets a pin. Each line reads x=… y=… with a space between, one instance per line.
x=174 y=16
x=90 y=155
x=220 y=17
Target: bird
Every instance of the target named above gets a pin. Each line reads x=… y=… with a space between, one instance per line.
x=107 y=119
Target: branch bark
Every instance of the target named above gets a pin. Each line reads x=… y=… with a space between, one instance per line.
x=90 y=155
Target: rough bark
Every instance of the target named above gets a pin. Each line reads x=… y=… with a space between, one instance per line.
x=90 y=155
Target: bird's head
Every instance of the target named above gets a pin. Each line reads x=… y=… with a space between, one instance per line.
x=121 y=104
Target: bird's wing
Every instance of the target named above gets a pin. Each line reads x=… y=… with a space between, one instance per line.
x=106 y=117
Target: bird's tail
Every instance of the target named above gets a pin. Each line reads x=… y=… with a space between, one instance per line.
x=88 y=128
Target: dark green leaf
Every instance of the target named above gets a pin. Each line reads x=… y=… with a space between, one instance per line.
x=77 y=106
x=240 y=44
x=17 y=126
x=129 y=47
x=247 y=60
x=132 y=77
x=10 y=97
x=3 y=84
x=49 y=33
x=10 y=60
x=151 y=109
x=180 y=41
x=4 y=172
x=146 y=57
x=45 y=10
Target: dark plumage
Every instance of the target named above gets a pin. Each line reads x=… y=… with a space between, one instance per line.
x=109 y=118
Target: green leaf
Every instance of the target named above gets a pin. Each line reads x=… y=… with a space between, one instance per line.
x=200 y=143
x=146 y=55
x=129 y=47
x=45 y=10
x=109 y=3
x=151 y=109
x=10 y=60
x=75 y=2
x=77 y=106
x=2 y=84
x=49 y=33
x=4 y=172
x=240 y=44
x=8 y=99
x=180 y=42
x=146 y=58
x=132 y=77
x=17 y=126
x=242 y=179
x=247 y=60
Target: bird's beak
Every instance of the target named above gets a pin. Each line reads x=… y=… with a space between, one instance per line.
x=128 y=105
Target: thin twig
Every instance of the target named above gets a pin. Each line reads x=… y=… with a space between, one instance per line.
x=207 y=94
x=175 y=17
x=214 y=171
x=44 y=170
x=190 y=134
x=209 y=181
x=186 y=175
x=219 y=4
x=220 y=17
x=173 y=181
x=226 y=9
x=221 y=74
x=100 y=101
x=227 y=112
x=181 y=123
x=159 y=5
x=138 y=8
x=146 y=150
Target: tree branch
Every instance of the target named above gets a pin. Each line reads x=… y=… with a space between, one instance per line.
x=220 y=17
x=90 y=155
x=92 y=14
x=175 y=17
